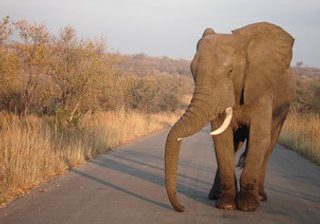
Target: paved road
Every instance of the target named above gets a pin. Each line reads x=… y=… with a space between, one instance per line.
x=127 y=186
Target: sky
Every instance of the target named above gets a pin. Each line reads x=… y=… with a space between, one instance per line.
x=172 y=27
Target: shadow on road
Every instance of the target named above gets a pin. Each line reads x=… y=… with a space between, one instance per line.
x=109 y=163
x=151 y=157
x=294 y=193
x=159 y=168
x=106 y=183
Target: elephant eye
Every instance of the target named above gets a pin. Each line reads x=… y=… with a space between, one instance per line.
x=229 y=72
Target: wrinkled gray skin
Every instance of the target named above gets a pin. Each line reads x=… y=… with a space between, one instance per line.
x=248 y=70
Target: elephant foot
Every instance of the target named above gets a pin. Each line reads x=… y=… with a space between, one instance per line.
x=247 y=201
x=227 y=202
x=262 y=195
x=214 y=193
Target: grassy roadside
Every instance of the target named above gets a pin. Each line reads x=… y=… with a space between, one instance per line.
x=301 y=133
x=34 y=153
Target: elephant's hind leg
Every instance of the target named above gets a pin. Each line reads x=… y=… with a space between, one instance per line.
x=276 y=128
x=262 y=194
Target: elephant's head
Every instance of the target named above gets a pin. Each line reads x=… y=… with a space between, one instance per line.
x=218 y=69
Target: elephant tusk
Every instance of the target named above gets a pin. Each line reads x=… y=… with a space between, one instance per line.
x=179 y=139
x=226 y=122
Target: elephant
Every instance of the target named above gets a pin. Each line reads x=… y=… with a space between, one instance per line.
x=243 y=88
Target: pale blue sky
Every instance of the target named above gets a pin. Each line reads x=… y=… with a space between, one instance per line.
x=172 y=27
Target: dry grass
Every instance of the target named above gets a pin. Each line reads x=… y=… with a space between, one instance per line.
x=31 y=154
x=302 y=134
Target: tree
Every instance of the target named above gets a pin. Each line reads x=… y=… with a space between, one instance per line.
x=9 y=67
x=33 y=53
x=76 y=69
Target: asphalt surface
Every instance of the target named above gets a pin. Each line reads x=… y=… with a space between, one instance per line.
x=127 y=186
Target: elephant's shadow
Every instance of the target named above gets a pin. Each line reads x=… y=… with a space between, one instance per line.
x=114 y=162
x=133 y=163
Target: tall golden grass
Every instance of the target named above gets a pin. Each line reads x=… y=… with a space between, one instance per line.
x=32 y=153
x=302 y=134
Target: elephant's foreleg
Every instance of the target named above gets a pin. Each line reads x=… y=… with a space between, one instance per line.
x=258 y=143
x=216 y=186
x=238 y=138
x=215 y=191
x=224 y=150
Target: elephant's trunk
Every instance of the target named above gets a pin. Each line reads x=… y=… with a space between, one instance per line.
x=194 y=119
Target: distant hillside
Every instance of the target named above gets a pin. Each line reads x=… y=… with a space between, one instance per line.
x=307 y=72
x=141 y=64
x=308 y=90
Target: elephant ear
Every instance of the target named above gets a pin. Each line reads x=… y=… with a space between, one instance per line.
x=269 y=53
x=207 y=32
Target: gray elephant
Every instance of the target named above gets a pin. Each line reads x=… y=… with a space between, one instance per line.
x=243 y=87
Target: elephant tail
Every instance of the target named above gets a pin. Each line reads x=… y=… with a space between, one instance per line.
x=242 y=160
